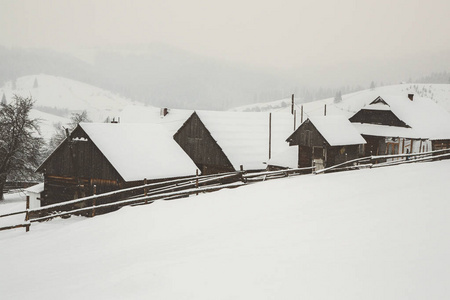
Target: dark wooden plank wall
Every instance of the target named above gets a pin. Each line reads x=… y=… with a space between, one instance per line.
x=84 y=160
x=71 y=173
x=304 y=156
x=307 y=135
x=310 y=143
x=373 y=145
x=380 y=117
x=440 y=144
x=340 y=154
x=195 y=139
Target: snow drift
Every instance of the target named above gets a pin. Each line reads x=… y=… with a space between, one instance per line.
x=368 y=234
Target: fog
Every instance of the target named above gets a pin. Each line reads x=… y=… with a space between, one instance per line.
x=218 y=54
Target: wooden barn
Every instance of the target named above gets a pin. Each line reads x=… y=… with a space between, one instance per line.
x=224 y=141
x=325 y=141
x=111 y=157
x=401 y=124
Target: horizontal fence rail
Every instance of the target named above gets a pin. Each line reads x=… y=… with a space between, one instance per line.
x=409 y=158
x=183 y=187
x=140 y=200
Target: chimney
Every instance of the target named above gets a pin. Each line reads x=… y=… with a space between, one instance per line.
x=163 y=112
x=411 y=97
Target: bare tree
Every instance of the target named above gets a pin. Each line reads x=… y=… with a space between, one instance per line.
x=60 y=134
x=20 y=141
x=338 y=97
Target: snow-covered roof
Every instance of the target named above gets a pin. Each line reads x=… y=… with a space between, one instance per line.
x=427 y=118
x=244 y=136
x=378 y=106
x=36 y=189
x=387 y=131
x=337 y=130
x=139 y=151
x=150 y=114
x=287 y=158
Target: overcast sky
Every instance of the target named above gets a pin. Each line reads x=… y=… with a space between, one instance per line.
x=280 y=33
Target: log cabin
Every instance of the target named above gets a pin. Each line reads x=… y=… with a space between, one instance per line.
x=324 y=141
x=224 y=141
x=110 y=157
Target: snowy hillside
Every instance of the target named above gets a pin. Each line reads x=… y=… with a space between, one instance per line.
x=351 y=103
x=368 y=234
x=48 y=122
x=57 y=97
x=66 y=94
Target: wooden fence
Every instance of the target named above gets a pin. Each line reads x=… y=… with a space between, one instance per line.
x=17 y=185
x=184 y=187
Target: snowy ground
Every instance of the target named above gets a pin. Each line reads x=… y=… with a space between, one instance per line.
x=14 y=201
x=369 y=234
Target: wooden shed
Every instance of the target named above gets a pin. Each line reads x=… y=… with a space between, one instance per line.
x=225 y=141
x=35 y=193
x=111 y=157
x=326 y=141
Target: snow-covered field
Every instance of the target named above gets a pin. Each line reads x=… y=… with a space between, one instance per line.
x=368 y=234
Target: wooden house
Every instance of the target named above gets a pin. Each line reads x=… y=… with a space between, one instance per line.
x=111 y=157
x=325 y=141
x=400 y=124
x=224 y=141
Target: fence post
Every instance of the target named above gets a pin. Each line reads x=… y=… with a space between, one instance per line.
x=196 y=181
x=145 y=189
x=94 y=200
x=241 y=167
x=27 y=215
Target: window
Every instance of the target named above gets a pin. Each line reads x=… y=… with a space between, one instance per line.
x=392 y=148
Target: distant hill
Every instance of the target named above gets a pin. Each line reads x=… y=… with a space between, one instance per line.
x=163 y=75
x=57 y=98
x=155 y=74
x=61 y=96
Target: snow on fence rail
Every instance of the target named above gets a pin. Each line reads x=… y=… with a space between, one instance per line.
x=409 y=158
x=140 y=200
x=145 y=186
x=275 y=174
x=191 y=185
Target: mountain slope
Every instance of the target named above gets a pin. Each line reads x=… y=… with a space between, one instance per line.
x=66 y=95
x=368 y=234
x=351 y=103
x=56 y=98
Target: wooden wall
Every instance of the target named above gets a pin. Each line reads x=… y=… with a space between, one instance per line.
x=380 y=117
x=340 y=154
x=307 y=135
x=79 y=159
x=74 y=168
x=440 y=144
x=195 y=139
